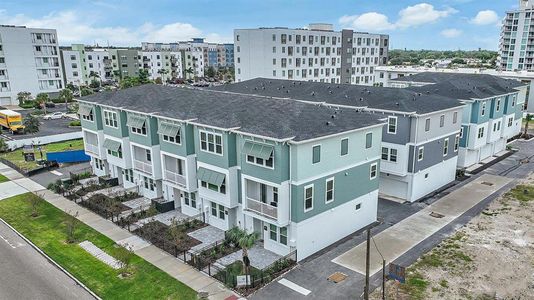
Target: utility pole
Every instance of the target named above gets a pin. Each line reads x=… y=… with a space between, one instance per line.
x=383 y=279
x=367 y=263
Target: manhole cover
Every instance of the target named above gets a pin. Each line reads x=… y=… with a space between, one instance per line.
x=436 y=215
x=486 y=183
x=337 y=277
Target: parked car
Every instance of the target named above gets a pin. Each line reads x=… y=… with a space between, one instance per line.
x=56 y=115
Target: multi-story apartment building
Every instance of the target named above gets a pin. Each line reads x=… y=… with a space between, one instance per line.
x=73 y=65
x=29 y=62
x=317 y=53
x=516 y=46
x=162 y=64
x=282 y=168
x=420 y=144
x=493 y=111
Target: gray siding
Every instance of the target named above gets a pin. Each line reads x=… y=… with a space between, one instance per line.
x=403 y=131
x=433 y=154
x=346 y=67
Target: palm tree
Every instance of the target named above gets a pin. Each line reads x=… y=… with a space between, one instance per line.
x=94 y=75
x=244 y=240
x=162 y=72
x=528 y=118
x=66 y=95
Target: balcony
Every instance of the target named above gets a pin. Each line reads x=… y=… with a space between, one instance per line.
x=174 y=177
x=93 y=149
x=262 y=209
x=143 y=166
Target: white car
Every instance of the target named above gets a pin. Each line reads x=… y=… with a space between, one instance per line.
x=56 y=115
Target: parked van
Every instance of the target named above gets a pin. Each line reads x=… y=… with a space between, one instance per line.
x=11 y=120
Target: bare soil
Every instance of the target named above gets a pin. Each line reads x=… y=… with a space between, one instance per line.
x=491 y=257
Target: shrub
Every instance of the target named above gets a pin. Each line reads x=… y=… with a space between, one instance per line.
x=71 y=223
x=75 y=123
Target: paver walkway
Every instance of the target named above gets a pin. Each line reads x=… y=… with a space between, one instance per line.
x=206 y=235
x=101 y=255
x=198 y=281
x=398 y=239
x=260 y=258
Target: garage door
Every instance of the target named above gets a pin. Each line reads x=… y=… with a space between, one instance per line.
x=392 y=187
x=485 y=152
x=5 y=101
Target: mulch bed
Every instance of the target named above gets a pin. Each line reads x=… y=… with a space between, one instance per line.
x=159 y=234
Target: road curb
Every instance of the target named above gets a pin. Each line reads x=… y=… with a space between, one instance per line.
x=51 y=260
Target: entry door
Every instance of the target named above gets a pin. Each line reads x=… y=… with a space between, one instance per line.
x=258 y=227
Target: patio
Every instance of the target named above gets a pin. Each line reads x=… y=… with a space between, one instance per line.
x=207 y=235
x=260 y=258
x=165 y=218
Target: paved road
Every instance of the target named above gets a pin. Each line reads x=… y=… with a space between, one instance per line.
x=26 y=274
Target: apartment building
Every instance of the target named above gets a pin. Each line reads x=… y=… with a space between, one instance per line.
x=281 y=168
x=386 y=75
x=516 y=46
x=492 y=114
x=162 y=64
x=420 y=143
x=317 y=53
x=29 y=62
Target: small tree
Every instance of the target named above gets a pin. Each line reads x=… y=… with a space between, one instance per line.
x=528 y=118
x=85 y=91
x=244 y=240
x=210 y=72
x=66 y=96
x=95 y=84
x=163 y=72
x=35 y=203
x=23 y=97
x=71 y=223
x=125 y=256
x=31 y=124
x=177 y=234
x=3 y=145
x=42 y=98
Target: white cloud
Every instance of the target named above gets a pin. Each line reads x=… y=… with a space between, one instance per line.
x=485 y=17
x=73 y=27
x=411 y=16
x=451 y=33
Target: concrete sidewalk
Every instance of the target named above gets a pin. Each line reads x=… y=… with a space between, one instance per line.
x=398 y=239
x=198 y=281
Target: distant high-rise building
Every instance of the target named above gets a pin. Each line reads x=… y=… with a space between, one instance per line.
x=29 y=62
x=317 y=53
x=516 y=44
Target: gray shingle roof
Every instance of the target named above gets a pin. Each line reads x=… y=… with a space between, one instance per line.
x=393 y=99
x=279 y=119
x=462 y=86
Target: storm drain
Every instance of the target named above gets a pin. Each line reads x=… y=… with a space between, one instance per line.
x=486 y=183
x=337 y=277
x=436 y=215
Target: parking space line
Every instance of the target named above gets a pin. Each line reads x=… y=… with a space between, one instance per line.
x=294 y=286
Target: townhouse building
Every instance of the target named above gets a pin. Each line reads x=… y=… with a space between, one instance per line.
x=29 y=62
x=420 y=143
x=317 y=53
x=492 y=114
x=282 y=168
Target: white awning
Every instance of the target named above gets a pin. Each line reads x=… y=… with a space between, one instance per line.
x=168 y=129
x=135 y=121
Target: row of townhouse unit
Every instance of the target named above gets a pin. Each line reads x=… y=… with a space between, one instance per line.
x=492 y=114
x=302 y=176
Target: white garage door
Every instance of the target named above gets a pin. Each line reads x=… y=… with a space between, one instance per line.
x=5 y=101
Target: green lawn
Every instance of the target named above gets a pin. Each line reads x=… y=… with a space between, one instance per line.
x=17 y=158
x=47 y=231
x=3 y=178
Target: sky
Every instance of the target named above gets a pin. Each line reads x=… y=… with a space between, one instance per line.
x=430 y=24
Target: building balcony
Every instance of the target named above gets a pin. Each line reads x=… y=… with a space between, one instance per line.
x=174 y=177
x=263 y=209
x=92 y=149
x=142 y=166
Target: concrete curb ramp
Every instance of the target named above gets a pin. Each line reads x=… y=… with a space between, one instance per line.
x=398 y=239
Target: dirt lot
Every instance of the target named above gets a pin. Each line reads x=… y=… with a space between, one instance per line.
x=492 y=257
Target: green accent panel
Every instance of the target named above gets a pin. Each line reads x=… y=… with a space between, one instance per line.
x=239 y=200
x=221 y=161
x=348 y=185
x=232 y=149
x=111 y=145
x=210 y=176
x=97 y=117
x=121 y=131
x=151 y=138
x=189 y=139
x=476 y=112
x=344 y=147
x=280 y=171
x=494 y=113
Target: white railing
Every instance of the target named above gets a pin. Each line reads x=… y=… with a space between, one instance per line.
x=92 y=149
x=174 y=177
x=143 y=166
x=261 y=208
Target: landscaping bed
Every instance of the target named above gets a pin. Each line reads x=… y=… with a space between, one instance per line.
x=209 y=255
x=104 y=206
x=161 y=235
x=48 y=231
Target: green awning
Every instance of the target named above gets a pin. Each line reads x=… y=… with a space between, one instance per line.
x=135 y=121
x=168 y=129
x=258 y=150
x=84 y=110
x=210 y=176
x=112 y=145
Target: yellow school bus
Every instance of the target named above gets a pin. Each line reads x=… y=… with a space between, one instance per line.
x=11 y=120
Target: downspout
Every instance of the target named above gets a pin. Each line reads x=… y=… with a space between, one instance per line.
x=290 y=187
x=414 y=152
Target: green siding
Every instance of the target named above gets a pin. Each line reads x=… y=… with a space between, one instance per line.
x=97 y=117
x=494 y=113
x=221 y=161
x=280 y=171
x=122 y=130
x=151 y=138
x=348 y=185
x=518 y=112
x=173 y=148
x=476 y=112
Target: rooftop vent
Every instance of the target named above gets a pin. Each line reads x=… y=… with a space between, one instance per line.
x=333 y=117
x=313 y=93
x=327 y=123
x=361 y=99
x=397 y=103
x=287 y=91
x=330 y=92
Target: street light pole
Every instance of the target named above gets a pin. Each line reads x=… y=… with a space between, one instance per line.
x=367 y=264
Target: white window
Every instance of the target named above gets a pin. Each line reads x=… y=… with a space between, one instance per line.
x=173 y=139
x=513 y=100
x=110 y=119
x=455 y=117
x=427 y=124
x=510 y=122
x=190 y=199
x=420 y=153
x=498 y=104
x=260 y=161
x=461 y=132
x=220 y=189
x=278 y=234
x=211 y=142
x=385 y=153
x=128 y=175
x=217 y=211
x=149 y=183
x=441 y=120
x=445 y=147
x=456 y=142
x=393 y=155
x=483 y=108
x=373 y=171
x=392 y=125
x=308 y=198
x=481 y=132
x=329 y=194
